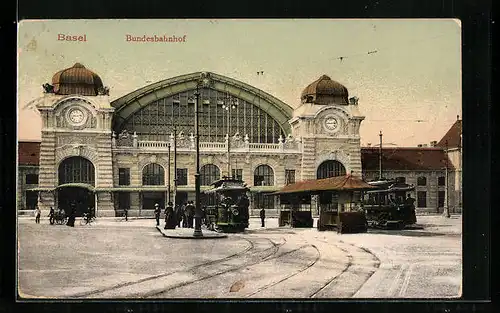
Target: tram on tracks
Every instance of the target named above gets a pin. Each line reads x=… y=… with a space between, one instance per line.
x=226 y=205
x=387 y=207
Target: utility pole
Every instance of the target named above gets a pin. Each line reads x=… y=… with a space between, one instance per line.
x=380 y=158
x=197 y=217
x=168 y=174
x=446 y=211
x=175 y=165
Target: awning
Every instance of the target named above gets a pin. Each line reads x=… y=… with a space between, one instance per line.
x=337 y=183
x=41 y=189
x=78 y=185
x=149 y=188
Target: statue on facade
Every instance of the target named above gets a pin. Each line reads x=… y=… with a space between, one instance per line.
x=48 y=88
x=124 y=134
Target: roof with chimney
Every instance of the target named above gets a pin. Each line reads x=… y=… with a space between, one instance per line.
x=405 y=159
x=452 y=139
x=29 y=152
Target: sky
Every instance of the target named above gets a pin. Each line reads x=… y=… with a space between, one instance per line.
x=409 y=88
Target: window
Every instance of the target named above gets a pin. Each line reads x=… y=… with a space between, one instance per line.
x=123 y=201
x=329 y=169
x=31 y=200
x=76 y=170
x=124 y=176
x=441 y=197
x=421 y=199
x=262 y=201
x=263 y=176
x=31 y=179
x=401 y=180
x=153 y=175
x=237 y=173
x=441 y=181
x=289 y=177
x=208 y=174
x=182 y=177
x=421 y=181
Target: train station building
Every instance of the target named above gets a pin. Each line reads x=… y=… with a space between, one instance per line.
x=139 y=149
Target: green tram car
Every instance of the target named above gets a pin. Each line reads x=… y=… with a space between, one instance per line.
x=387 y=207
x=226 y=206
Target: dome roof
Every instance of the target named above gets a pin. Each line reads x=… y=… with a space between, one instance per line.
x=77 y=80
x=324 y=90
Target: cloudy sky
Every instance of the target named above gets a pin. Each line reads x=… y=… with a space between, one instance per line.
x=410 y=88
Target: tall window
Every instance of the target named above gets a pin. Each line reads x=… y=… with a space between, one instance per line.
x=237 y=173
x=441 y=181
x=289 y=177
x=76 y=170
x=31 y=179
x=263 y=176
x=208 y=174
x=421 y=199
x=422 y=181
x=182 y=176
x=153 y=175
x=31 y=199
x=124 y=176
x=329 y=169
x=262 y=201
x=441 y=195
x=123 y=200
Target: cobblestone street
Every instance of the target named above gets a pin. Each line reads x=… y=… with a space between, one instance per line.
x=117 y=259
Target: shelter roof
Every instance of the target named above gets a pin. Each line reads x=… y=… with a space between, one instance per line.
x=337 y=183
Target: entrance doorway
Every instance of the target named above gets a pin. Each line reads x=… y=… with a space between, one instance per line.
x=149 y=199
x=82 y=198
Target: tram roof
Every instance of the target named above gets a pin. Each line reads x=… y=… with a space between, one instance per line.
x=337 y=183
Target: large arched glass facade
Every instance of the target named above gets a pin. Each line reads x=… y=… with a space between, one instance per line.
x=208 y=174
x=263 y=176
x=156 y=120
x=329 y=169
x=153 y=175
x=76 y=170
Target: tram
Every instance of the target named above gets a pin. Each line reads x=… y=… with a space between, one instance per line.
x=386 y=207
x=226 y=205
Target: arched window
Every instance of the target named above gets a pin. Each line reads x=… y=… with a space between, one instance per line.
x=208 y=174
x=422 y=181
x=76 y=170
x=263 y=176
x=153 y=175
x=329 y=169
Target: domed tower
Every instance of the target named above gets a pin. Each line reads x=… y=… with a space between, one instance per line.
x=328 y=122
x=75 y=151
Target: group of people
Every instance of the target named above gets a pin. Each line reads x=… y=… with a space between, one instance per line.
x=175 y=217
x=61 y=213
x=408 y=201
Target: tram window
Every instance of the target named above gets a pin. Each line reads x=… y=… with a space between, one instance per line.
x=422 y=181
x=401 y=180
x=124 y=176
x=182 y=174
x=289 y=177
x=31 y=179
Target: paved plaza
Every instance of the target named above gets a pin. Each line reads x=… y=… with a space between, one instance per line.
x=133 y=259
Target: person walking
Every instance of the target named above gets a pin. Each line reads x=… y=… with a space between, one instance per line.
x=185 y=215
x=157 y=214
x=72 y=216
x=37 y=215
x=51 y=216
x=190 y=208
x=169 y=217
x=262 y=217
x=179 y=214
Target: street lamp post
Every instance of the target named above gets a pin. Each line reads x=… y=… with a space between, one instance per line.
x=175 y=165
x=197 y=214
x=168 y=175
x=446 y=211
x=380 y=157
x=229 y=104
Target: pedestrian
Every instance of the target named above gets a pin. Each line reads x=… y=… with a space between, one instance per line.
x=190 y=208
x=37 y=214
x=72 y=216
x=169 y=217
x=125 y=213
x=185 y=215
x=262 y=217
x=157 y=214
x=51 y=216
x=179 y=214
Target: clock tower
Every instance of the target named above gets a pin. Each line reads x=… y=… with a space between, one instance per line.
x=328 y=122
x=75 y=152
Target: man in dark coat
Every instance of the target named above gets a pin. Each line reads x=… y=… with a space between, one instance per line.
x=190 y=214
x=169 y=217
x=72 y=216
x=51 y=216
x=157 y=214
x=180 y=213
x=262 y=216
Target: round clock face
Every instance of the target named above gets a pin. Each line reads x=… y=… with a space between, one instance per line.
x=76 y=116
x=331 y=123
